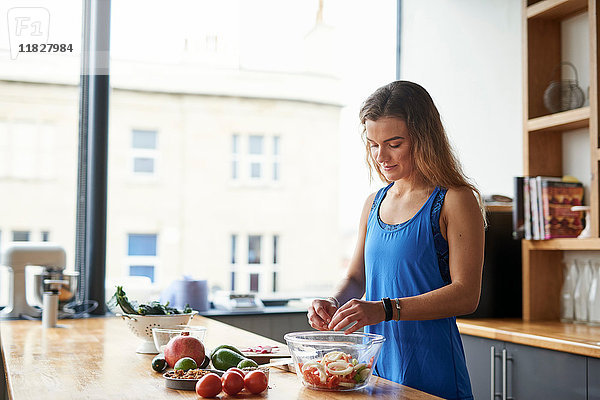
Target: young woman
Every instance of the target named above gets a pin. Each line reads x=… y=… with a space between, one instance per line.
x=419 y=256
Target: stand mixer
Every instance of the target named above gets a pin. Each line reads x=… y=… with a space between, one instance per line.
x=17 y=256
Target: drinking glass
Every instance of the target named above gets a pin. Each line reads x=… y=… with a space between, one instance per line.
x=581 y=293
x=567 y=305
x=594 y=296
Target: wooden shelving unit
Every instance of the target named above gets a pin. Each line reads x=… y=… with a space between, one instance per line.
x=542 y=142
x=562 y=121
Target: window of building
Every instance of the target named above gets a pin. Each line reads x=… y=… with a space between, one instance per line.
x=254 y=282
x=233 y=247
x=256 y=156
x=142 y=245
x=142 y=270
x=275 y=249
x=254 y=249
x=144 y=151
x=235 y=162
x=20 y=236
x=142 y=252
x=45 y=236
x=276 y=161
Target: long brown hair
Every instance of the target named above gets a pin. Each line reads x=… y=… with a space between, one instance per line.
x=434 y=161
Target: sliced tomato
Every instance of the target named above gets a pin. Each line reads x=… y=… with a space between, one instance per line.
x=333 y=381
x=312 y=376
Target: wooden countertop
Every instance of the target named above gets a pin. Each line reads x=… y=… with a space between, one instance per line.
x=571 y=338
x=95 y=359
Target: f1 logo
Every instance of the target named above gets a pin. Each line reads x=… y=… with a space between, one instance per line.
x=27 y=25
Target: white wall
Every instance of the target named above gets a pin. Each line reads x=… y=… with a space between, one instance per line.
x=467 y=54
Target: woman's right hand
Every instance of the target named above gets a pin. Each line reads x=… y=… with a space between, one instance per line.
x=320 y=312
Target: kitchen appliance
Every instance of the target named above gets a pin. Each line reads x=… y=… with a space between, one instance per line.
x=237 y=301
x=37 y=284
x=501 y=285
x=18 y=257
x=50 y=307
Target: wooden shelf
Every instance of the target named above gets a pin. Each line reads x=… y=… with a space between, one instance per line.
x=562 y=121
x=556 y=9
x=562 y=244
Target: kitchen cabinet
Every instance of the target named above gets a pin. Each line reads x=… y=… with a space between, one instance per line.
x=523 y=372
x=593 y=378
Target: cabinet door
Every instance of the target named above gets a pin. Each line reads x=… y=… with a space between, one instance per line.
x=478 y=357
x=593 y=378
x=535 y=373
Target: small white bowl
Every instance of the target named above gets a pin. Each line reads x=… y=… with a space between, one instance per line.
x=162 y=336
x=141 y=326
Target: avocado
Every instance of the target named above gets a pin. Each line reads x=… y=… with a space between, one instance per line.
x=226 y=346
x=225 y=358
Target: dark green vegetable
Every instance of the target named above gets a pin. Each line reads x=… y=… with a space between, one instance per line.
x=120 y=299
x=152 y=308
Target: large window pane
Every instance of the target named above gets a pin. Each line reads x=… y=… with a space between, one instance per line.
x=254 y=104
x=39 y=123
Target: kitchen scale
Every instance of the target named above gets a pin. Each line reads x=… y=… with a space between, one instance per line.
x=237 y=301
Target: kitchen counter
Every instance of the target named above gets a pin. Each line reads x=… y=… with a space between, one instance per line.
x=553 y=335
x=95 y=359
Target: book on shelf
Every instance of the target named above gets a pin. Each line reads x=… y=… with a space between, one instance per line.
x=518 y=212
x=543 y=208
x=559 y=220
x=527 y=209
x=540 y=182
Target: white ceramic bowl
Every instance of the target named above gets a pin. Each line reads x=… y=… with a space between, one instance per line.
x=141 y=326
x=162 y=336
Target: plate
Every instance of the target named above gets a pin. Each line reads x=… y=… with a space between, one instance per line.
x=185 y=384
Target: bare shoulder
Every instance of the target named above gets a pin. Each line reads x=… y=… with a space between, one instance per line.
x=461 y=197
x=461 y=203
x=369 y=201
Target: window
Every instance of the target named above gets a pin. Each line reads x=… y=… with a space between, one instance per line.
x=233 y=247
x=255 y=156
x=20 y=236
x=141 y=251
x=275 y=158
x=142 y=270
x=45 y=236
x=142 y=245
x=254 y=280
x=254 y=249
x=235 y=144
x=275 y=242
x=143 y=144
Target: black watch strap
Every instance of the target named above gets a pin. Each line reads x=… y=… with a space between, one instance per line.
x=387 y=306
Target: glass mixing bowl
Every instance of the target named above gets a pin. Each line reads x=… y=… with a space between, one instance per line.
x=334 y=360
x=162 y=336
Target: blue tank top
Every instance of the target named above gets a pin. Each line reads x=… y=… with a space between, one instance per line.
x=401 y=261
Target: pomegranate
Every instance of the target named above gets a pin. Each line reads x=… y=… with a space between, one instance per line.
x=184 y=345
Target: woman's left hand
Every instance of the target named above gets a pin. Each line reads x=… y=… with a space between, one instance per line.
x=360 y=311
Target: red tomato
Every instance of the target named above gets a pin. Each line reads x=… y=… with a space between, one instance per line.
x=256 y=381
x=236 y=370
x=233 y=382
x=209 y=385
